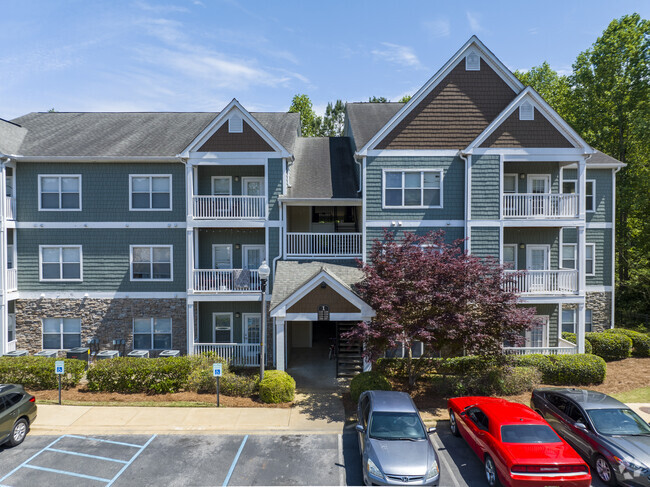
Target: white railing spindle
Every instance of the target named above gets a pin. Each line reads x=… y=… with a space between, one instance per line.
x=563 y=281
x=229 y=207
x=224 y=281
x=540 y=205
x=308 y=245
x=12 y=279
x=238 y=354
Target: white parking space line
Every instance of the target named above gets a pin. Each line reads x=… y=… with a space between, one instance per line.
x=30 y=459
x=97 y=457
x=130 y=461
x=234 y=462
x=65 y=472
x=442 y=458
x=132 y=445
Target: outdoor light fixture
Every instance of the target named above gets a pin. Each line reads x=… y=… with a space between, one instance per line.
x=237 y=314
x=236 y=178
x=522 y=246
x=238 y=246
x=522 y=176
x=264 y=272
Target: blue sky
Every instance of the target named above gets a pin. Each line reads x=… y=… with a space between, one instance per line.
x=196 y=55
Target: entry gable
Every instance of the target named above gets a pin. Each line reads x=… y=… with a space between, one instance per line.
x=323 y=295
x=454 y=106
x=235 y=130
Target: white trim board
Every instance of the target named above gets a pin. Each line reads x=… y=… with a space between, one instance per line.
x=414 y=223
x=151 y=192
x=98 y=295
x=93 y=225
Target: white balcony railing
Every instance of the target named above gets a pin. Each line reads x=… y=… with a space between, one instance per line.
x=536 y=205
x=333 y=245
x=229 y=207
x=238 y=354
x=10 y=205
x=12 y=279
x=226 y=280
x=543 y=350
x=544 y=282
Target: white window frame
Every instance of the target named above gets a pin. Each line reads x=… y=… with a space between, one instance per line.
x=514 y=175
x=245 y=179
x=593 y=259
x=61 y=333
x=530 y=248
x=575 y=185
x=150 y=176
x=60 y=247
x=214 y=325
x=244 y=316
x=593 y=196
x=590 y=321
x=531 y=177
x=244 y=254
x=545 y=334
x=235 y=128
x=151 y=332
x=468 y=65
x=11 y=325
x=214 y=246
x=516 y=247
x=575 y=254
x=523 y=115
x=403 y=170
x=229 y=178
x=11 y=257
x=40 y=176
x=151 y=246
x=573 y=322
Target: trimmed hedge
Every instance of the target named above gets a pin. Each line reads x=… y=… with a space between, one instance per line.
x=517 y=380
x=368 y=381
x=396 y=367
x=151 y=376
x=566 y=370
x=610 y=346
x=640 y=341
x=37 y=373
x=493 y=380
x=466 y=364
x=276 y=387
x=571 y=337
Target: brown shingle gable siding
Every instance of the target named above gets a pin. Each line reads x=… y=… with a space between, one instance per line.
x=247 y=141
x=526 y=133
x=455 y=112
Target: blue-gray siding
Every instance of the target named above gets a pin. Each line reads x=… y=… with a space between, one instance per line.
x=484 y=242
x=451 y=233
x=485 y=188
x=533 y=236
x=205 y=317
x=234 y=236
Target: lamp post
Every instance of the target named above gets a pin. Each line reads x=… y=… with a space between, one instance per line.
x=264 y=272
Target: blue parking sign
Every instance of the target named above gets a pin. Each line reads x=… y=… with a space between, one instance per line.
x=216 y=370
x=59 y=367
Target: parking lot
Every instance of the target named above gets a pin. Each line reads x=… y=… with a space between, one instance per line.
x=176 y=460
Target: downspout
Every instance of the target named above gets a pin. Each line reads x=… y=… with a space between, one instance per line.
x=467 y=197
x=611 y=324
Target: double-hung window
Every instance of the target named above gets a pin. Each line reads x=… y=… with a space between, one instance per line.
x=222 y=324
x=59 y=192
x=152 y=333
x=11 y=328
x=590 y=254
x=60 y=263
x=568 y=321
x=61 y=333
x=413 y=188
x=568 y=256
x=591 y=196
x=151 y=263
x=151 y=192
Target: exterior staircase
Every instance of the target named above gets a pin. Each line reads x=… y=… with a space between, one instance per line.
x=349 y=361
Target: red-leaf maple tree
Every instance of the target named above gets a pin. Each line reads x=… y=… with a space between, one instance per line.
x=426 y=290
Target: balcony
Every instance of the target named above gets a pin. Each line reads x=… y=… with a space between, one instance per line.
x=323 y=245
x=563 y=350
x=540 y=205
x=10 y=205
x=237 y=354
x=229 y=207
x=544 y=282
x=226 y=281
x=12 y=279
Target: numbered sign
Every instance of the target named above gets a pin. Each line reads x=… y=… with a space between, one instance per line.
x=59 y=367
x=216 y=370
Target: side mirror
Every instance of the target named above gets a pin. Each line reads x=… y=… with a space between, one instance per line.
x=581 y=426
x=432 y=430
x=360 y=428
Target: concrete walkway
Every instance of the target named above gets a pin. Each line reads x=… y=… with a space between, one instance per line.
x=105 y=420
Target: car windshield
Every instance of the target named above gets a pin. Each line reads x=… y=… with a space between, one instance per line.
x=396 y=426
x=618 y=422
x=528 y=433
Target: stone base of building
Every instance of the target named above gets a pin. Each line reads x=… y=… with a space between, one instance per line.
x=600 y=305
x=105 y=319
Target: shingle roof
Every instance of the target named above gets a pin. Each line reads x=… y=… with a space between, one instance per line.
x=291 y=276
x=323 y=168
x=602 y=158
x=155 y=134
x=11 y=137
x=366 y=119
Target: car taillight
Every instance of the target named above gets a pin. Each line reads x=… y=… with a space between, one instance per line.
x=549 y=469
x=32 y=399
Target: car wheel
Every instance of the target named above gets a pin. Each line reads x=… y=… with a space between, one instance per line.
x=491 y=472
x=18 y=432
x=453 y=426
x=605 y=471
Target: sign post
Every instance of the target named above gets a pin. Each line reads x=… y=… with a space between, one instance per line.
x=59 y=369
x=216 y=372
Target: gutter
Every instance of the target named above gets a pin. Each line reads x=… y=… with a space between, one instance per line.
x=97 y=159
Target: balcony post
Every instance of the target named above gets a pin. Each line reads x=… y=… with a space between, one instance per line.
x=580 y=332
x=190 y=328
x=280 y=359
x=581 y=261
x=582 y=188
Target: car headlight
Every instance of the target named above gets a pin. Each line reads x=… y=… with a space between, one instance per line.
x=630 y=465
x=373 y=470
x=433 y=471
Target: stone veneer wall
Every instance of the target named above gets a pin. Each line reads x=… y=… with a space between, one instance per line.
x=600 y=305
x=106 y=319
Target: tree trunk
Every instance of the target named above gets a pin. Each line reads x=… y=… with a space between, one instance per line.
x=410 y=367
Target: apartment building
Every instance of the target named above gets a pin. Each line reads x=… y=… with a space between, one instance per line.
x=151 y=227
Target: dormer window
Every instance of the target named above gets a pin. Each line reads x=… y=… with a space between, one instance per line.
x=526 y=111
x=235 y=125
x=472 y=62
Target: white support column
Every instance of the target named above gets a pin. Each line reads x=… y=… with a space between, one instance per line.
x=559 y=324
x=189 y=260
x=580 y=332
x=582 y=280
x=189 y=191
x=4 y=318
x=190 y=327
x=364 y=234
x=280 y=341
x=582 y=188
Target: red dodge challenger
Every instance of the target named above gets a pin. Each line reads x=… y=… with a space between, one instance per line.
x=516 y=445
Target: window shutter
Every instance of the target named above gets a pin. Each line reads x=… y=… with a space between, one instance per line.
x=472 y=62
x=235 y=125
x=526 y=111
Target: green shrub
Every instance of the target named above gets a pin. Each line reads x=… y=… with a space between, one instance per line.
x=397 y=367
x=571 y=337
x=575 y=370
x=368 y=381
x=517 y=380
x=467 y=364
x=240 y=385
x=640 y=341
x=201 y=378
x=37 y=373
x=129 y=375
x=610 y=346
x=496 y=380
x=540 y=361
x=277 y=386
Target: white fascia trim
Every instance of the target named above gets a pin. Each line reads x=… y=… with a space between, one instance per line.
x=486 y=55
x=530 y=95
x=599 y=225
x=96 y=225
x=207 y=223
x=599 y=289
x=414 y=223
x=333 y=317
x=412 y=153
x=231 y=158
x=98 y=295
x=321 y=201
x=98 y=159
x=575 y=299
x=226 y=297
x=220 y=119
x=526 y=223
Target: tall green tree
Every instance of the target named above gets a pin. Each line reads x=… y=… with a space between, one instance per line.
x=310 y=122
x=378 y=99
x=554 y=88
x=332 y=124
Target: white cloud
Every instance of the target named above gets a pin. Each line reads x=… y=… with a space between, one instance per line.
x=438 y=27
x=474 y=20
x=160 y=9
x=394 y=53
x=533 y=31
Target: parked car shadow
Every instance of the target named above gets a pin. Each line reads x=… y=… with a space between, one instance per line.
x=462 y=460
x=352 y=458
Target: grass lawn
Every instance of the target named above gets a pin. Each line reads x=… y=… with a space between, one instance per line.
x=642 y=394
